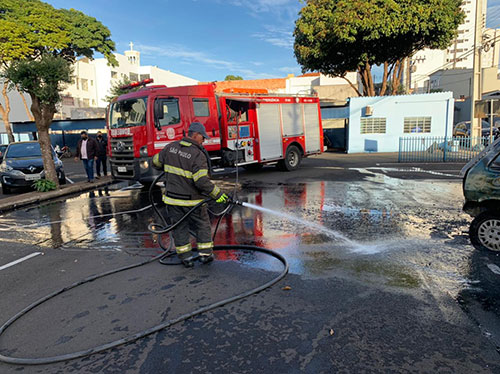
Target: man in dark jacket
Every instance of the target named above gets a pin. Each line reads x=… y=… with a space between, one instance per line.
x=102 y=146
x=187 y=184
x=86 y=150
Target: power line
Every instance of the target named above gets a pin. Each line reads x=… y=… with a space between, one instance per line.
x=466 y=54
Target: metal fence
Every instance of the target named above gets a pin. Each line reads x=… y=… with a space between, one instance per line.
x=440 y=148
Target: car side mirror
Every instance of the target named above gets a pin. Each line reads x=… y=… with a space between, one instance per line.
x=159 y=114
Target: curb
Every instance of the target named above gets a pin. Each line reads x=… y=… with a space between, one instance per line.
x=15 y=202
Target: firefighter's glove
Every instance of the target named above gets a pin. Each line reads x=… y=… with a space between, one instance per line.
x=222 y=199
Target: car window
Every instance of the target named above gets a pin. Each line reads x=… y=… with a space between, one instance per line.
x=24 y=150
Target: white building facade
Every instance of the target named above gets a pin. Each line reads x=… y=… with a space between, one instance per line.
x=93 y=80
x=459 y=55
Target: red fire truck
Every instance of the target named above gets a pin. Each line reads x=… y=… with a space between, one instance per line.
x=247 y=129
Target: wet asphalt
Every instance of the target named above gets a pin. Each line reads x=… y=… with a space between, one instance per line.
x=406 y=292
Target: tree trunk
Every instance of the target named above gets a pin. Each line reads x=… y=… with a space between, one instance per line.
x=43 y=118
x=5 y=111
x=30 y=116
x=352 y=86
x=384 y=79
x=365 y=72
x=396 y=76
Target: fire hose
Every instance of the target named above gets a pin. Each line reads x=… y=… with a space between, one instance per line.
x=157 y=229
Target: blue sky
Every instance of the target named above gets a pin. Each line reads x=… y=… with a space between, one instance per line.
x=202 y=39
x=208 y=39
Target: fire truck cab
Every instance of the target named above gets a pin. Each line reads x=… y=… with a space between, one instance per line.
x=245 y=129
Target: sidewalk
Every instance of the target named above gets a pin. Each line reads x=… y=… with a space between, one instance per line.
x=17 y=201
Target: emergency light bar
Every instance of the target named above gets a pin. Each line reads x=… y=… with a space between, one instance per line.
x=137 y=84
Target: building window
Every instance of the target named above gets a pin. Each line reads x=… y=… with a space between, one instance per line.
x=200 y=107
x=85 y=84
x=144 y=76
x=414 y=125
x=370 y=125
x=85 y=103
x=91 y=83
x=114 y=74
x=133 y=77
x=68 y=100
x=93 y=102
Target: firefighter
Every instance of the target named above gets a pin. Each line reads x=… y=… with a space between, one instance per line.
x=187 y=184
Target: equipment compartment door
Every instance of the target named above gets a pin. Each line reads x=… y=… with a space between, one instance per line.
x=311 y=119
x=270 y=139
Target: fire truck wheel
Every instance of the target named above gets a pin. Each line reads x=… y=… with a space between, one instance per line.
x=292 y=159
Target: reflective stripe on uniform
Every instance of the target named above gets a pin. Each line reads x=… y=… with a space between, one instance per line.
x=185 y=144
x=206 y=245
x=156 y=160
x=178 y=171
x=183 y=248
x=215 y=192
x=200 y=174
x=179 y=202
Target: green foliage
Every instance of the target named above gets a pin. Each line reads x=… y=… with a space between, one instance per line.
x=338 y=36
x=44 y=78
x=30 y=28
x=231 y=77
x=38 y=44
x=116 y=89
x=44 y=185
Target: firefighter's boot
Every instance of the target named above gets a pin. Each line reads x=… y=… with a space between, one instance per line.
x=206 y=259
x=188 y=262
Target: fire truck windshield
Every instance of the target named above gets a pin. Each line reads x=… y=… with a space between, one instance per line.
x=128 y=113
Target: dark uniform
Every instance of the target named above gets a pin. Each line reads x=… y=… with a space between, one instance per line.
x=102 y=145
x=187 y=184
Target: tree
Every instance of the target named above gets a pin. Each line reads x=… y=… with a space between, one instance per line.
x=231 y=77
x=5 y=110
x=338 y=36
x=117 y=90
x=38 y=45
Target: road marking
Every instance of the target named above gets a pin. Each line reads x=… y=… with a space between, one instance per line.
x=20 y=260
x=495 y=269
x=69 y=180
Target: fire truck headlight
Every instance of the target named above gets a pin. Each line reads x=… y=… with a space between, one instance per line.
x=144 y=165
x=144 y=151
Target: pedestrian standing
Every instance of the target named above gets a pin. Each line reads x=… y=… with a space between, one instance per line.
x=86 y=150
x=102 y=148
x=187 y=184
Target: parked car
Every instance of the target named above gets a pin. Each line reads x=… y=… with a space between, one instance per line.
x=22 y=165
x=462 y=129
x=3 y=147
x=482 y=197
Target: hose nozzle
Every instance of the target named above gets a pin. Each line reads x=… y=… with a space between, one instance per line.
x=237 y=202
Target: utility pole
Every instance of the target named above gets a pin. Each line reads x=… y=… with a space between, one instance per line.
x=476 y=70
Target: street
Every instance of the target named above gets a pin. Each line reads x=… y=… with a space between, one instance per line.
x=406 y=292
x=74 y=173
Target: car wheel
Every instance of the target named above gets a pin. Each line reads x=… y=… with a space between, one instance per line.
x=62 y=180
x=6 y=190
x=484 y=231
x=292 y=159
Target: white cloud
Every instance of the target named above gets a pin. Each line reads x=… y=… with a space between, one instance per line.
x=260 y=6
x=289 y=69
x=277 y=36
x=189 y=56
